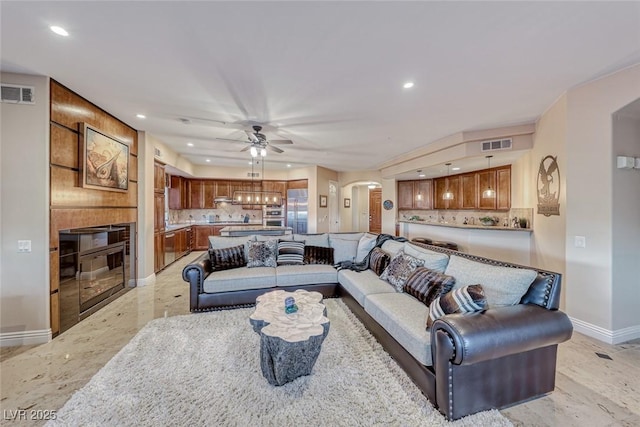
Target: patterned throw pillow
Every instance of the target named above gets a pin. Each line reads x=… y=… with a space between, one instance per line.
x=378 y=261
x=290 y=252
x=227 y=258
x=262 y=254
x=468 y=299
x=318 y=255
x=399 y=269
x=427 y=285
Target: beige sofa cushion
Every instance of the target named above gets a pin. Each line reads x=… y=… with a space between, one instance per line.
x=239 y=279
x=432 y=260
x=361 y=284
x=292 y=275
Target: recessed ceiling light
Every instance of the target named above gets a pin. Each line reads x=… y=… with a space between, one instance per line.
x=208 y=160
x=189 y=144
x=250 y=163
x=408 y=85
x=455 y=169
x=141 y=116
x=289 y=165
x=421 y=175
x=59 y=30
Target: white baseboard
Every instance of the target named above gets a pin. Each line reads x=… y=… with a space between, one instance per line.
x=610 y=337
x=149 y=280
x=12 y=339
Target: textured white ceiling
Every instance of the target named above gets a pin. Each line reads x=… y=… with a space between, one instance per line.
x=326 y=75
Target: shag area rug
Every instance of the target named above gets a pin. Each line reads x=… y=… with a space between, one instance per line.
x=204 y=370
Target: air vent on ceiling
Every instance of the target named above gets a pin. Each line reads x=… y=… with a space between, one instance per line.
x=497 y=144
x=253 y=174
x=18 y=94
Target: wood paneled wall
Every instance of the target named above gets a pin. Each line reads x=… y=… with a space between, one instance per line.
x=72 y=206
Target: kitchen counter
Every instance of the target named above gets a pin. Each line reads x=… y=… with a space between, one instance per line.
x=506 y=244
x=468 y=226
x=248 y=229
x=173 y=227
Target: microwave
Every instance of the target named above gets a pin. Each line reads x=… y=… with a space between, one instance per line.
x=273 y=212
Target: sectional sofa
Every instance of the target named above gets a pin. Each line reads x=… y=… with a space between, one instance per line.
x=500 y=355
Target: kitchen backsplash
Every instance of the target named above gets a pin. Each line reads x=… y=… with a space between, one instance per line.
x=470 y=217
x=225 y=212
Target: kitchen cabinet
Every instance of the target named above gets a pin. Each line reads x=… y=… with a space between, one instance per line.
x=279 y=187
x=222 y=189
x=503 y=188
x=486 y=179
x=441 y=186
x=201 y=236
x=469 y=191
x=196 y=194
x=158 y=177
x=158 y=212
x=177 y=192
x=298 y=184
x=208 y=193
x=158 y=251
x=415 y=194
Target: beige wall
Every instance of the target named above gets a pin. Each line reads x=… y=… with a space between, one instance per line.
x=323 y=176
x=146 y=267
x=590 y=207
x=24 y=215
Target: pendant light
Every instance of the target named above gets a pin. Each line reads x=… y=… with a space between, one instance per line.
x=448 y=195
x=419 y=195
x=489 y=193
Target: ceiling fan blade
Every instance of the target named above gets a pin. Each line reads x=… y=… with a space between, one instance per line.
x=252 y=137
x=276 y=149
x=247 y=148
x=232 y=140
x=280 y=141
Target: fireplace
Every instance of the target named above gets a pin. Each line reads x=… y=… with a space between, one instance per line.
x=94 y=270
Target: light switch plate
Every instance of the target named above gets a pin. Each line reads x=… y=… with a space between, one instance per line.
x=24 y=245
x=580 y=242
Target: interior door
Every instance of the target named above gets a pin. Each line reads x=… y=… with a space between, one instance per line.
x=375 y=210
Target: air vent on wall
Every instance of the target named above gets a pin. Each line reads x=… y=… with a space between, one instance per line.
x=18 y=94
x=253 y=174
x=497 y=144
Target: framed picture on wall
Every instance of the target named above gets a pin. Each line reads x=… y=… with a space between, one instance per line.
x=347 y=203
x=104 y=161
x=323 y=201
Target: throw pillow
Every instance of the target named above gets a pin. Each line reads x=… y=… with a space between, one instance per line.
x=468 y=299
x=290 y=252
x=399 y=270
x=318 y=255
x=426 y=285
x=344 y=250
x=365 y=244
x=262 y=254
x=502 y=285
x=228 y=258
x=378 y=261
x=434 y=260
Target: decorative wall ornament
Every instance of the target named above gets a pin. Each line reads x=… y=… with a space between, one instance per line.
x=103 y=159
x=548 y=185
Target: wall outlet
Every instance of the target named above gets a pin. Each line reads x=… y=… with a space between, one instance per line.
x=24 y=245
x=580 y=242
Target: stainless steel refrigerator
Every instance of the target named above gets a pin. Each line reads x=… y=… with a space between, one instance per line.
x=297 y=210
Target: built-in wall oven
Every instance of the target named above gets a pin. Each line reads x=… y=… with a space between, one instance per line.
x=273 y=216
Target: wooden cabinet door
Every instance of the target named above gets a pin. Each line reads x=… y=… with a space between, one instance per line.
x=202 y=233
x=439 y=187
x=298 y=184
x=158 y=212
x=503 y=188
x=208 y=194
x=196 y=194
x=486 y=179
x=216 y=230
x=158 y=251
x=222 y=189
x=181 y=243
x=422 y=194
x=469 y=191
x=405 y=194
x=453 y=185
x=177 y=193
x=278 y=190
x=158 y=178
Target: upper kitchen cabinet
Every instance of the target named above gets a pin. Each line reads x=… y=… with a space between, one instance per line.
x=415 y=194
x=222 y=190
x=158 y=177
x=177 y=193
x=440 y=187
x=276 y=187
x=208 y=193
x=196 y=194
x=469 y=191
x=499 y=180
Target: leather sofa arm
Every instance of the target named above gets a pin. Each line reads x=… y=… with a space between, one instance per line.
x=195 y=273
x=499 y=332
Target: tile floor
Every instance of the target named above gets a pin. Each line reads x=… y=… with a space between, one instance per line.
x=590 y=390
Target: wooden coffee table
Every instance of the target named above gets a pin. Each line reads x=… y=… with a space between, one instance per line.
x=289 y=343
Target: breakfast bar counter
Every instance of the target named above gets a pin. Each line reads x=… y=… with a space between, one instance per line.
x=247 y=230
x=505 y=243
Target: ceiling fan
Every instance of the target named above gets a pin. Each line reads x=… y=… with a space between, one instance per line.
x=260 y=141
